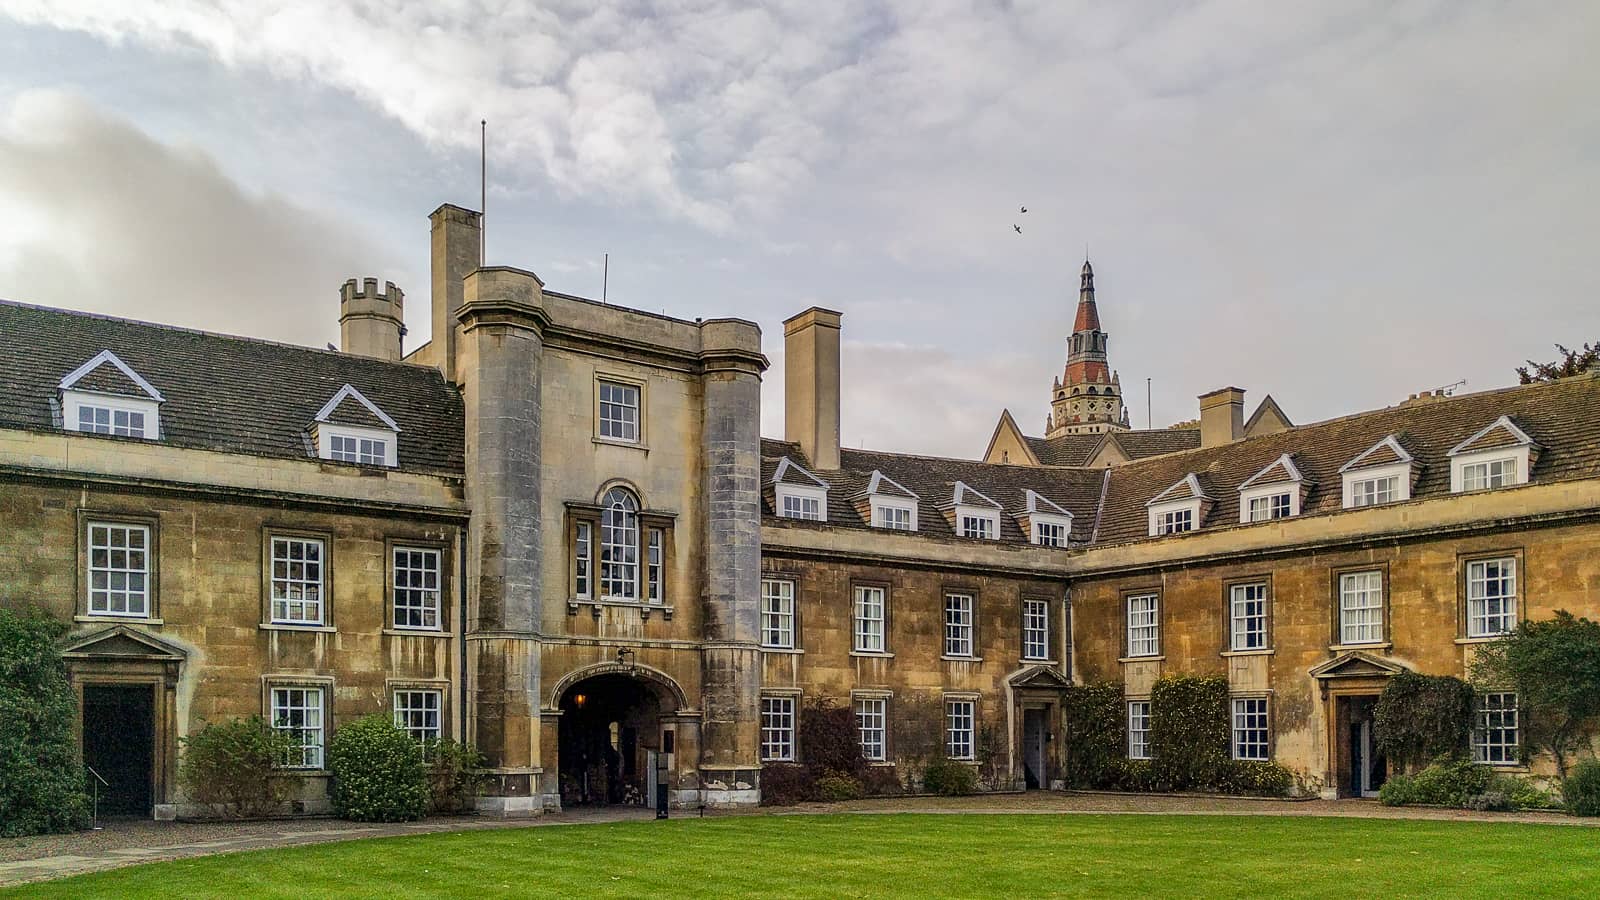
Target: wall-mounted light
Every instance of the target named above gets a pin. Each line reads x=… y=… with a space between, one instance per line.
x=579 y=700
x=625 y=657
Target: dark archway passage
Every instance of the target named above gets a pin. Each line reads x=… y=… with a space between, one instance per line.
x=610 y=734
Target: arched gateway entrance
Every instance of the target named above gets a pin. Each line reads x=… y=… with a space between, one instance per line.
x=617 y=736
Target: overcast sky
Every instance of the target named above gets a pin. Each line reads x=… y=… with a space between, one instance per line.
x=1337 y=203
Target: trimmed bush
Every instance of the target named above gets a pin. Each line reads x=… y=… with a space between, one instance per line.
x=1253 y=778
x=41 y=782
x=454 y=776
x=834 y=788
x=232 y=767
x=1189 y=731
x=785 y=784
x=950 y=778
x=1096 y=733
x=1446 y=782
x=1421 y=717
x=378 y=772
x=1581 y=790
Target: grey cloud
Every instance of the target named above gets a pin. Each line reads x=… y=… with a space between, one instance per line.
x=113 y=221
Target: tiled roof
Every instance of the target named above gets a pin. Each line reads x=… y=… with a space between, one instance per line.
x=933 y=479
x=1064 y=449
x=1562 y=417
x=1143 y=443
x=223 y=393
x=108 y=379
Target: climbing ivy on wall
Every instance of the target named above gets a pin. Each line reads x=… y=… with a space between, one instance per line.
x=1419 y=717
x=1189 y=731
x=1096 y=732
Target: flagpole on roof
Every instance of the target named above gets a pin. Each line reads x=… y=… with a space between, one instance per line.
x=483 y=188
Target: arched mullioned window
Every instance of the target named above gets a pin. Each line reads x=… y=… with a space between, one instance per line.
x=619 y=545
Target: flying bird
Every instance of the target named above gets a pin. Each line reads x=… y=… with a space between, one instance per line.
x=1018 y=228
x=1024 y=209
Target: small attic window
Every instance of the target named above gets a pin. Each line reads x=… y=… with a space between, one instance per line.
x=1047 y=523
x=798 y=494
x=1178 y=509
x=1383 y=473
x=975 y=515
x=106 y=396
x=352 y=429
x=1501 y=455
x=890 y=504
x=1275 y=492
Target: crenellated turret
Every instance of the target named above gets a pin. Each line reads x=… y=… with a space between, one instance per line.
x=371 y=322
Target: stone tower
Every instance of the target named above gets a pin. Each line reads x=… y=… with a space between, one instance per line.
x=1087 y=399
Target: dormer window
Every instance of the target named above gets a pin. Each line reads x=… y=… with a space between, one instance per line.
x=1383 y=473
x=1178 y=509
x=352 y=429
x=974 y=515
x=889 y=504
x=1275 y=492
x=798 y=494
x=1500 y=455
x=1048 y=525
x=106 y=396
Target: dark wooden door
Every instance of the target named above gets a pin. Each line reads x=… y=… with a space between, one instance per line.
x=119 y=744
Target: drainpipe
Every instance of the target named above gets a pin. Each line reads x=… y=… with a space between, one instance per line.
x=461 y=626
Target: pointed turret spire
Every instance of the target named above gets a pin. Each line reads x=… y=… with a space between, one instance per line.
x=1088 y=318
x=1087 y=399
x=1086 y=282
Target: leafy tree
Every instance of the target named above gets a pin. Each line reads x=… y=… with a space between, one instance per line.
x=1420 y=717
x=41 y=783
x=1554 y=666
x=1572 y=362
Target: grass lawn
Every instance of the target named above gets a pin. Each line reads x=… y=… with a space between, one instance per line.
x=902 y=855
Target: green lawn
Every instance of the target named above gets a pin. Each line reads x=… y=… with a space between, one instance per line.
x=903 y=855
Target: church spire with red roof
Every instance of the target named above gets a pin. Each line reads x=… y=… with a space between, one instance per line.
x=1088 y=397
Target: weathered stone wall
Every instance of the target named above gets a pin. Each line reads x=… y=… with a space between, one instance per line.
x=1424 y=600
x=823 y=663
x=209 y=550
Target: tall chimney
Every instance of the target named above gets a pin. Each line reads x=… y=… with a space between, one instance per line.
x=370 y=322
x=811 y=385
x=457 y=237
x=1221 y=416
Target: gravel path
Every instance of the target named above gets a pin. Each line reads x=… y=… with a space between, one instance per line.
x=127 y=842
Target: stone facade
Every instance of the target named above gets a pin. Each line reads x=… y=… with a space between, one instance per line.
x=633 y=595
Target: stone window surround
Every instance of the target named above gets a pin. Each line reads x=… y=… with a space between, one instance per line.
x=649 y=519
x=270 y=531
x=888 y=617
x=442 y=685
x=1336 y=643
x=975 y=630
x=628 y=381
x=1272 y=727
x=973 y=698
x=324 y=683
x=1161 y=622
x=446 y=583
x=1050 y=626
x=887 y=697
x=1228 y=584
x=1462 y=559
x=793 y=695
x=793 y=580
x=85 y=515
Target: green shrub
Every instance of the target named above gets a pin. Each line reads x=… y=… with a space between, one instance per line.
x=1132 y=775
x=1489 y=801
x=785 y=784
x=1420 y=717
x=835 y=787
x=1189 y=730
x=1522 y=793
x=41 y=781
x=454 y=776
x=1451 y=781
x=882 y=781
x=1096 y=733
x=1581 y=790
x=232 y=767
x=950 y=778
x=1252 y=778
x=378 y=772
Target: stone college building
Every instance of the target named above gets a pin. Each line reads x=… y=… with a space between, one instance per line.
x=555 y=531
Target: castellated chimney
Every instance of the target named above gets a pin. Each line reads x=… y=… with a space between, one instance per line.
x=1221 y=416
x=811 y=385
x=371 y=322
x=457 y=251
